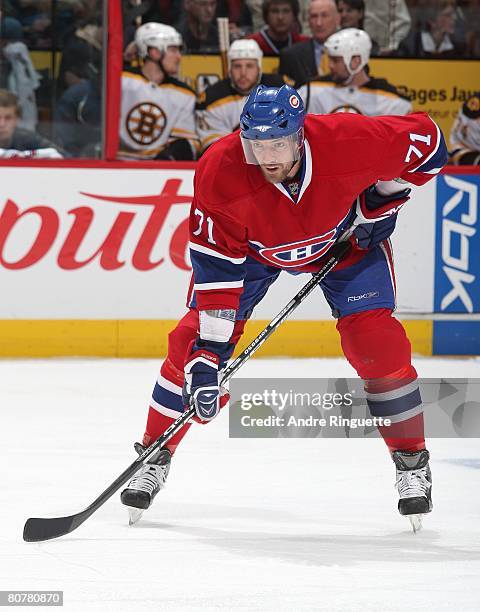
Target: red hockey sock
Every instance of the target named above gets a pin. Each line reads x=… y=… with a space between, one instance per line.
x=377 y=346
x=157 y=424
x=407 y=436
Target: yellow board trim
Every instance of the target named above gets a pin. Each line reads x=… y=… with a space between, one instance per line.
x=148 y=338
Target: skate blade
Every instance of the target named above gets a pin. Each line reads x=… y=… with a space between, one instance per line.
x=416 y=522
x=134 y=515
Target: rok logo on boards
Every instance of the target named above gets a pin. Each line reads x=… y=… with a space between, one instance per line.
x=457 y=265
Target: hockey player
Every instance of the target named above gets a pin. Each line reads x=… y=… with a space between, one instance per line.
x=276 y=196
x=157 y=110
x=349 y=88
x=219 y=106
x=465 y=134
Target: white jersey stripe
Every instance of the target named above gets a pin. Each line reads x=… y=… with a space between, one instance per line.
x=168 y=385
x=404 y=416
x=308 y=170
x=215 y=286
x=173 y=414
x=208 y=251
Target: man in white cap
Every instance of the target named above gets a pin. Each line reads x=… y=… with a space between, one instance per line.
x=219 y=106
x=349 y=88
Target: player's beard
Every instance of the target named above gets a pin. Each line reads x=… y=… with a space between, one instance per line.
x=277 y=173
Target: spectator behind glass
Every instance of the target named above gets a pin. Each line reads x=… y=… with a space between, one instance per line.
x=471 y=20
x=352 y=15
x=308 y=59
x=255 y=9
x=239 y=17
x=133 y=13
x=36 y=19
x=280 y=31
x=156 y=10
x=435 y=38
x=78 y=115
x=15 y=141
x=84 y=47
x=387 y=22
x=198 y=26
x=36 y=22
x=17 y=73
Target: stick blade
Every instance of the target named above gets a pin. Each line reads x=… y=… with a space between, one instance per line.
x=40 y=529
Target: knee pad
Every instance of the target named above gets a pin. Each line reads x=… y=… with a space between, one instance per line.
x=374 y=343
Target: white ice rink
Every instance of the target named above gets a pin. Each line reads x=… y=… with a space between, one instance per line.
x=279 y=524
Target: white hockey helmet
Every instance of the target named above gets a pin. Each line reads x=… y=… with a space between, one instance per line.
x=346 y=44
x=157 y=35
x=245 y=49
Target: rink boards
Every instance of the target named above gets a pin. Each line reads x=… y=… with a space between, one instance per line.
x=94 y=261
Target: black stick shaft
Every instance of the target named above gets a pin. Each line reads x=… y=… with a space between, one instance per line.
x=39 y=529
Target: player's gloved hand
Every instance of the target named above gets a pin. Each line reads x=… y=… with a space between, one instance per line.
x=202 y=370
x=370 y=234
x=376 y=215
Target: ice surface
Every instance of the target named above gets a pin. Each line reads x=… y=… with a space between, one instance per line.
x=289 y=524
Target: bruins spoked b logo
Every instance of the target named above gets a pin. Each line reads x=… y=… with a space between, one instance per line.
x=346 y=108
x=145 y=123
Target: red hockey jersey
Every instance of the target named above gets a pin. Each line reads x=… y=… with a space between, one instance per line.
x=237 y=213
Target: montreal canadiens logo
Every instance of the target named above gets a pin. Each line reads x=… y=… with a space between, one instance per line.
x=294 y=101
x=299 y=253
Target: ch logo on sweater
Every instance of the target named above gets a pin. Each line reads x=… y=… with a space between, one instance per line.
x=299 y=253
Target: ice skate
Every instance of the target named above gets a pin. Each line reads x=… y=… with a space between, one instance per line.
x=146 y=483
x=414 y=484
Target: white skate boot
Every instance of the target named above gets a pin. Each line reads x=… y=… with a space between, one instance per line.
x=146 y=483
x=414 y=484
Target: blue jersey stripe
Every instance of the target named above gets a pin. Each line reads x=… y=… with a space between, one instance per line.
x=208 y=269
x=438 y=160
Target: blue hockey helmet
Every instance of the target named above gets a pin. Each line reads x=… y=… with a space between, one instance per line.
x=272 y=113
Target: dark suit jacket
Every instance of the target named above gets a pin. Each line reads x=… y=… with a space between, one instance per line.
x=298 y=62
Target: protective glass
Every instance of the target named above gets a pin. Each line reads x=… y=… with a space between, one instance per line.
x=282 y=150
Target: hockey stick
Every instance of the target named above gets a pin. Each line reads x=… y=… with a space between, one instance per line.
x=39 y=529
